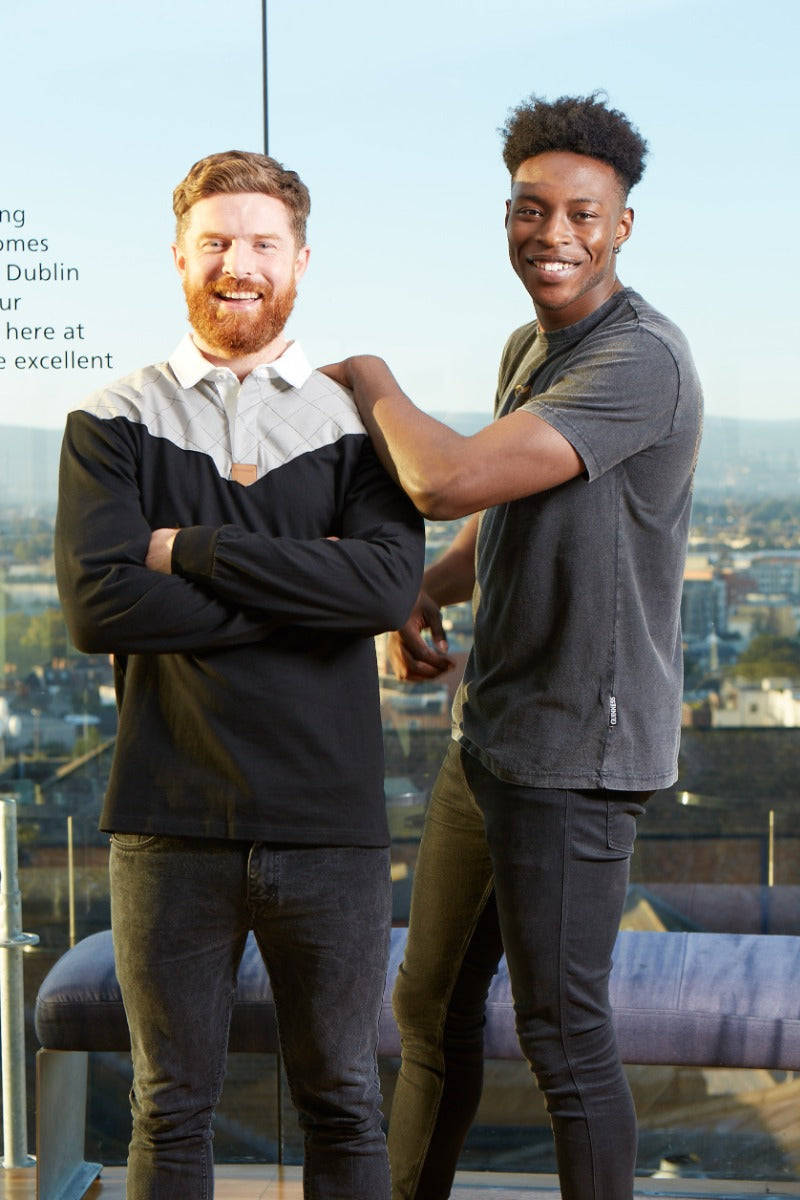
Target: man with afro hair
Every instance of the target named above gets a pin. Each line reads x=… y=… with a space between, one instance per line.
x=568 y=716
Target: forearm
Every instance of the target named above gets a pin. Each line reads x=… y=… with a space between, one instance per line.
x=122 y=608
x=112 y=603
x=356 y=569
x=421 y=453
x=450 y=579
x=347 y=585
x=445 y=474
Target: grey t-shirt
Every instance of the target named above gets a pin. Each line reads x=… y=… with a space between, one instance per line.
x=575 y=678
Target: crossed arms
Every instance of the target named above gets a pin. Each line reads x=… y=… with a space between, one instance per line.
x=227 y=585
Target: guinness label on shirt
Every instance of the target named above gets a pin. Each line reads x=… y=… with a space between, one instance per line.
x=244 y=473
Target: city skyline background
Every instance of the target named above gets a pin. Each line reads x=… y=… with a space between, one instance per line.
x=391 y=117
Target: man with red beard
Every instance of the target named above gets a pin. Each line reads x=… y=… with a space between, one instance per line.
x=202 y=502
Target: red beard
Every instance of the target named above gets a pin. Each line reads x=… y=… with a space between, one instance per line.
x=238 y=332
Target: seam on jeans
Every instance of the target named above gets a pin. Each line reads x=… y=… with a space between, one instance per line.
x=422 y=1157
x=454 y=752
x=562 y=993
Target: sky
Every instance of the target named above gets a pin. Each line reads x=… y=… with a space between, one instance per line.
x=391 y=115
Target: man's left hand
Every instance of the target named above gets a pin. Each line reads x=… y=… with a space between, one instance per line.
x=159 y=553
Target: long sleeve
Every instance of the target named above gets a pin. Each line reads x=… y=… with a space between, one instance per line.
x=365 y=581
x=112 y=603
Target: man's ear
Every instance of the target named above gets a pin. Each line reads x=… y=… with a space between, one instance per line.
x=508 y=213
x=624 y=227
x=178 y=258
x=301 y=263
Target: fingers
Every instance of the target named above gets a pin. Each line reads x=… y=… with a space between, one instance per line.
x=432 y=620
x=413 y=659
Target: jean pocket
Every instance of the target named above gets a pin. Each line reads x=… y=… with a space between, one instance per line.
x=133 y=841
x=620 y=829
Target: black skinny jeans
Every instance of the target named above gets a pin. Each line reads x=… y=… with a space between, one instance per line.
x=544 y=873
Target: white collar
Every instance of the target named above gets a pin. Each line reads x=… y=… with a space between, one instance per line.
x=191 y=365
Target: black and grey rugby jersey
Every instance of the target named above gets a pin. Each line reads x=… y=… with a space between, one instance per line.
x=246 y=679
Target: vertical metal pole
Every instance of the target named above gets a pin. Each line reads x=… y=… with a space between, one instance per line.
x=771 y=850
x=264 y=73
x=71 y=879
x=3 y=621
x=12 y=1001
x=279 y=1103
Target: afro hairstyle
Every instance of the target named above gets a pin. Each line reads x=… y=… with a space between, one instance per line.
x=579 y=124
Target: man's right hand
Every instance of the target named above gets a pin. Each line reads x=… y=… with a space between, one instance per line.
x=412 y=658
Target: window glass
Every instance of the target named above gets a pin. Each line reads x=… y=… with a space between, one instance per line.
x=392 y=119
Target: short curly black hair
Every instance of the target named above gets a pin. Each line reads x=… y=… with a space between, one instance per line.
x=580 y=124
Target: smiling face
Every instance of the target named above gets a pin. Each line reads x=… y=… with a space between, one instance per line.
x=240 y=266
x=566 y=215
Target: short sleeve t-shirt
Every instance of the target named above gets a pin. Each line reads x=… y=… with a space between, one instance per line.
x=575 y=678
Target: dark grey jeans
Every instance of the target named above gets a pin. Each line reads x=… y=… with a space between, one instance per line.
x=181 y=909
x=543 y=872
